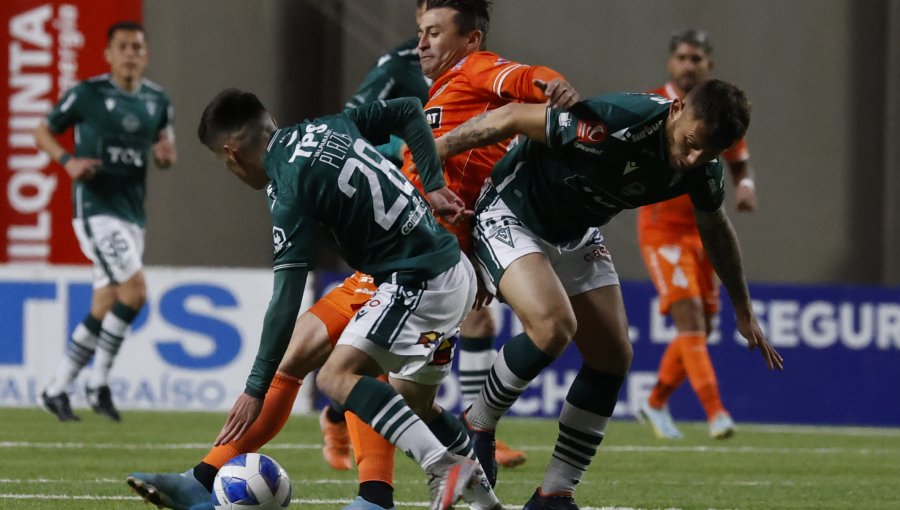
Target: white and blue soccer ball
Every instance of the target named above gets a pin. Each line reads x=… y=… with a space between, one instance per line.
x=251 y=481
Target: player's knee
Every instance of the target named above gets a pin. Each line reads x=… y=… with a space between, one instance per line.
x=553 y=331
x=133 y=292
x=478 y=324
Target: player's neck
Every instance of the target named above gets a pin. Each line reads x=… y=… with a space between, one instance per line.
x=127 y=84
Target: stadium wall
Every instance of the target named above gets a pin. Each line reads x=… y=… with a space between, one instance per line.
x=193 y=345
x=817 y=137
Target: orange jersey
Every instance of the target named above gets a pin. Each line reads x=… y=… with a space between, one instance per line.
x=678 y=213
x=480 y=82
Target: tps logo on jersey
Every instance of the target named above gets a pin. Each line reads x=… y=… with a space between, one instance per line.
x=433 y=116
x=591 y=132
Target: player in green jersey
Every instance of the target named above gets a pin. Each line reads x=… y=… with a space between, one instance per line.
x=539 y=247
x=120 y=119
x=325 y=181
x=396 y=74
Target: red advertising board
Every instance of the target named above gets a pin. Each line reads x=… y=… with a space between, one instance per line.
x=45 y=48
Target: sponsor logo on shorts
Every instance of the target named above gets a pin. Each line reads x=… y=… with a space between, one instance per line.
x=443 y=355
x=599 y=252
x=504 y=235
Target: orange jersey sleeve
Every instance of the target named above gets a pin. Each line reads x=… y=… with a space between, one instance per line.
x=481 y=82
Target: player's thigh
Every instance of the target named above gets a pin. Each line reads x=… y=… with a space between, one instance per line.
x=533 y=291
x=309 y=348
x=336 y=308
x=602 y=336
x=515 y=267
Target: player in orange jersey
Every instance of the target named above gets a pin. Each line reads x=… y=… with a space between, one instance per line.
x=468 y=81
x=682 y=274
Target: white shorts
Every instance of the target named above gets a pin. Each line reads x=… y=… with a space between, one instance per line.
x=115 y=246
x=500 y=238
x=410 y=331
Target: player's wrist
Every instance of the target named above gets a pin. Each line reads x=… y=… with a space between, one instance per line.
x=65 y=158
x=747 y=182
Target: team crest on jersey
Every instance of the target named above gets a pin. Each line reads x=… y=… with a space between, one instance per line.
x=110 y=104
x=433 y=116
x=131 y=123
x=504 y=235
x=151 y=107
x=501 y=61
x=591 y=132
x=278 y=239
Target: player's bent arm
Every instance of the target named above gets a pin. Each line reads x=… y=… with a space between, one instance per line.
x=494 y=127
x=46 y=141
x=277 y=329
x=721 y=244
x=405 y=118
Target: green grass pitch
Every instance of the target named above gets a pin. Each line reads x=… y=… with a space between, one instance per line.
x=45 y=464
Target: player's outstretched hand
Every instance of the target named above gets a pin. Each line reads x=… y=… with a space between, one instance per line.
x=80 y=169
x=164 y=153
x=560 y=93
x=242 y=415
x=449 y=206
x=756 y=339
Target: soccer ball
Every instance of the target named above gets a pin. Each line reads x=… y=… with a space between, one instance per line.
x=251 y=481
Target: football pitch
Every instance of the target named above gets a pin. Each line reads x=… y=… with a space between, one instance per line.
x=50 y=465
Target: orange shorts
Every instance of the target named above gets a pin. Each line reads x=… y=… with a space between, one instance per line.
x=680 y=270
x=338 y=306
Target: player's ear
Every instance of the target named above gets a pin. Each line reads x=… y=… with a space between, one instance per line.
x=676 y=108
x=476 y=38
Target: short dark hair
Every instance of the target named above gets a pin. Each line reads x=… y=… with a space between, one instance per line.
x=723 y=108
x=470 y=14
x=231 y=110
x=694 y=37
x=126 y=25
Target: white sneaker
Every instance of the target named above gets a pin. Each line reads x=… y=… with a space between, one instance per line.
x=458 y=477
x=659 y=420
x=721 y=426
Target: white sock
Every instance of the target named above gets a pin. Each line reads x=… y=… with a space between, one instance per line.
x=78 y=353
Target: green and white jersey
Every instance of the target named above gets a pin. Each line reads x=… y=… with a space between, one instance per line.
x=591 y=169
x=118 y=128
x=328 y=182
x=397 y=73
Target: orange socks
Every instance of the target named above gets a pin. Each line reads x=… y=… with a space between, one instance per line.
x=274 y=414
x=670 y=375
x=374 y=454
x=687 y=356
x=701 y=373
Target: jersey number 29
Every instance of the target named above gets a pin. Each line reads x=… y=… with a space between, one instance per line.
x=368 y=164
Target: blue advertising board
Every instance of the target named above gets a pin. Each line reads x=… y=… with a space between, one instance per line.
x=841 y=347
x=195 y=342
